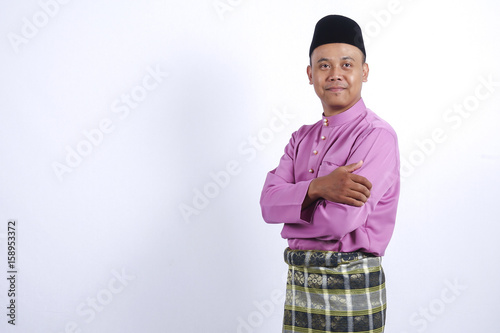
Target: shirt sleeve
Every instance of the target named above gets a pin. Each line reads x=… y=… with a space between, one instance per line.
x=380 y=155
x=281 y=199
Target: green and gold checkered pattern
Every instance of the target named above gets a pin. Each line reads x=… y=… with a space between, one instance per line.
x=334 y=292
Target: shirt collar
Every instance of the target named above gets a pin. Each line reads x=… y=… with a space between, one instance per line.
x=348 y=115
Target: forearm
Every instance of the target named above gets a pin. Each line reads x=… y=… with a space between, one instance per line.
x=311 y=196
x=340 y=186
x=281 y=202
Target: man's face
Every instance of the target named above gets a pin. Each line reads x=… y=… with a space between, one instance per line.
x=337 y=72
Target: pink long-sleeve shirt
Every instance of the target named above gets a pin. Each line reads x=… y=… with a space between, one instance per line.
x=316 y=150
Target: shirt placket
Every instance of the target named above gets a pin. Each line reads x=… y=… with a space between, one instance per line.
x=319 y=149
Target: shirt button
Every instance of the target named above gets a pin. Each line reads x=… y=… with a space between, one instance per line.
x=315 y=152
x=325 y=122
x=323 y=137
x=311 y=171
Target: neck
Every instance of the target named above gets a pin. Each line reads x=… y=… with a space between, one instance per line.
x=332 y=110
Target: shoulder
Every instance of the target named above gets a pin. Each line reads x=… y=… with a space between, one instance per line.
x=304 y=131
x=374 y=125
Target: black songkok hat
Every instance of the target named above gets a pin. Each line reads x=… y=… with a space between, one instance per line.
x=337 y=29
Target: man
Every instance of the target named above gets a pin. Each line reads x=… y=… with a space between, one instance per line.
x=336 y=190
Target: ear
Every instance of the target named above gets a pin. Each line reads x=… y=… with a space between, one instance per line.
x=366 y=70
x=309 y=74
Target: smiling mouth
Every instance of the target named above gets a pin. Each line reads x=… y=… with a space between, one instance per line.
x=335 y=89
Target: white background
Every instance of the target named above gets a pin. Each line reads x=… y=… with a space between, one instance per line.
x=232 y=66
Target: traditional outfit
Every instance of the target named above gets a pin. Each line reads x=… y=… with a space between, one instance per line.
x=335 y=280
x=340 y=286
x=315 y=151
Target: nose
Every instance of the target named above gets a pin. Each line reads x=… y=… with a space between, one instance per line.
x=335 y=74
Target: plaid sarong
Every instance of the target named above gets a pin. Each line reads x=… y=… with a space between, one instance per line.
x=334 y=292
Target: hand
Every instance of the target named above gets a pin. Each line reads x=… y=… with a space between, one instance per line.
x=341 y=186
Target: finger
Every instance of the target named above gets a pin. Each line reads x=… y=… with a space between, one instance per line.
x=359 y=196
x=354 y=202
x=348 y=201
x=354 y=166
x=361 y=180
x=361 y=189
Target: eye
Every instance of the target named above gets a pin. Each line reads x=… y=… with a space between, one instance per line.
x=347 y=64
x=324 y=66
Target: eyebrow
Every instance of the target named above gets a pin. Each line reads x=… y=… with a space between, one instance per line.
x=343 y=58
x=348 y=58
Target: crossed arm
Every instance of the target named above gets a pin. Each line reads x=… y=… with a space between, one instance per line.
x=341 y=200
x=341 y=186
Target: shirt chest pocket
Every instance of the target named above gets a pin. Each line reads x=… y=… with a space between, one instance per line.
x=327 y=167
